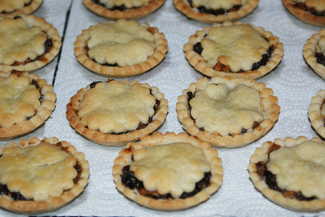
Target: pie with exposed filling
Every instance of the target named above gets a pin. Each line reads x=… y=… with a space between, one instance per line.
x=16 y=7
x=316 y=113
x=168 y=171
x=27 y=43
x=211 y=11
x=122 y=48
x=117 y=112
x=291 y=172
x=26 y=102
x=123 y=9
x=227 y=112
x=40 y=175
x=309 y=11
x=314 y=53
x=233 y=49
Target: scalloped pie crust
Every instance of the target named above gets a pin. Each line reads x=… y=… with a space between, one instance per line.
x=16 y=7
x=316 y=113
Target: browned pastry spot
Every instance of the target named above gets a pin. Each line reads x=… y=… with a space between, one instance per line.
x=311 y=10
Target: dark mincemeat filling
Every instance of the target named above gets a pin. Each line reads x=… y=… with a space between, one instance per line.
x=41 y=98
x=128 y=179
x=191 y=95
x=311 y=10
x=271 y=182
x=25 y=5
x=141 y=125
x=215 y=12
x=265 y=58
x=115 y=8
x=320 y=58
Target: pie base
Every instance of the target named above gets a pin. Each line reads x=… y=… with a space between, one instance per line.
x=183 y=7
x=52 y=203
x=317 y=120
x=127 y=14
x=81 y=53
x=25 y=10
x=309 y=52
x=303 y=15
x=199 y=64
x=260 y=154
x=47 y=57
x=124 y=159
x=114 y=139
x=270 y=106
x=43 y=112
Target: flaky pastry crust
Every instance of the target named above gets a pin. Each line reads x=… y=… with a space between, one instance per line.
x=269 y=104
x=261 y=154
x=30 y=8
x=52 y=203
x=317 y=119
x=125 y=158
x=199 y=64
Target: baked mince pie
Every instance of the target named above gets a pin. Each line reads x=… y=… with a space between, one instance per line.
x=168 y=171
x=16 y=7
x=316 y=113
x=291 y=172
x=27 y=43
x=123 y=9
x=117 y=112
x=314 y=53
x=26 y=102
x=308 y=11
x=215 y=11
x=233 y=49
x=122 y=48
x=227 y=112
x=40 y=175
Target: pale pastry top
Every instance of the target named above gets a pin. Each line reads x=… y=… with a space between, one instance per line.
x=122 y=42
x=170 y=168
x=300 y=168
x=218 y=108
x=126 y=3
x=12 y=5
x=237 y=46
x=320 y=46
x=19 y=99
x=319 y=5
x=218 y=4
x=20 y=41
x=117 y=106
x=37 y=172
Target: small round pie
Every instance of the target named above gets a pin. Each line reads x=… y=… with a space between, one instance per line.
x=122 y=48
x=40 y=175
x=314 y=53
x=291 y=172
x=227 y=112
x=16 y=7
x=210 y=11
x=117 y=112
x=308 y=11
x=26 y=102
x=123 y=9
x=233 y=49
x=316 y=113
x=27 y=43
x=168 y=171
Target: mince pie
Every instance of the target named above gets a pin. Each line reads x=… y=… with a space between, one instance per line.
x=26 y=102
x=233 y=49
x=117 y=112
x=168 y=171
x=291 y=172
x=309 y=11
x=314 y=53
x=16 y=7
x=215 y=11
x=123 y=9
x=122 y=48
x=227 y=112
x=40 y=175
x=27 y=43
x=316 y=113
